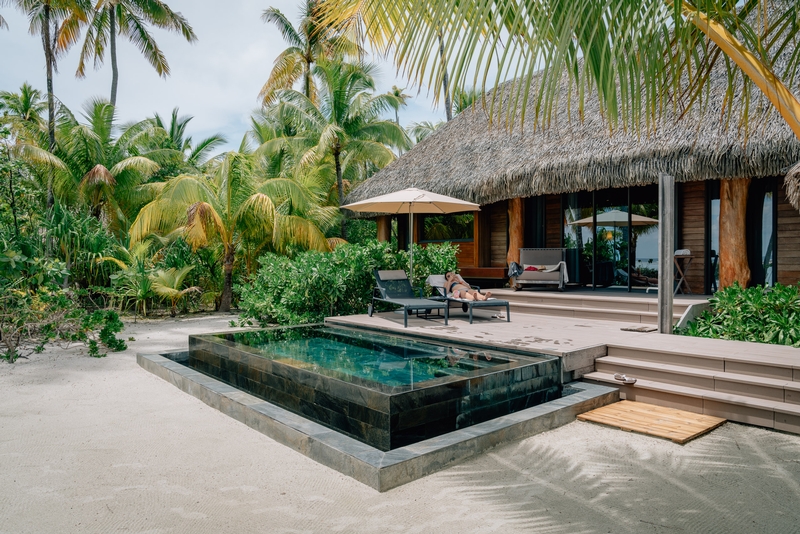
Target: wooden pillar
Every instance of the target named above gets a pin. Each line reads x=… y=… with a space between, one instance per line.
x=666 y=251
x=733 y=264
x=384 y=227
x=516 y=229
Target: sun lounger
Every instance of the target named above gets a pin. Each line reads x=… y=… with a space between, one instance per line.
x=393 y=287
x=437 y=282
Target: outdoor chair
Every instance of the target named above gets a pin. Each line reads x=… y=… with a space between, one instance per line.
x=542 y=266
x=393 y=287
x=437 y=282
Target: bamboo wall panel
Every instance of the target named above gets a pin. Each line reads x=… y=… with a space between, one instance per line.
x=692 y=210
x=483 y=250
x=553 y=221
x=788 y=240
x=498 y=233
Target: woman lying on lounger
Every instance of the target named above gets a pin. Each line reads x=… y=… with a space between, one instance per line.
x=460 y=289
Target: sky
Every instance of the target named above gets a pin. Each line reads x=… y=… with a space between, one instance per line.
x=216 y=80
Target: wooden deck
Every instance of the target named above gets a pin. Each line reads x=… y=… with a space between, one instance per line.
x=676 y=425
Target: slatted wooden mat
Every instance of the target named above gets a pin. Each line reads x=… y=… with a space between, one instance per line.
x=676 y=425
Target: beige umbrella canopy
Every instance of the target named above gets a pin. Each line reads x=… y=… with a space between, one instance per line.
x=411 y=201
x=616 y=218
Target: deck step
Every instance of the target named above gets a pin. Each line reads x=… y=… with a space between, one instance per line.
x=775 y=362
x=711 y=379
x=602 y=314
x=587 y=299
x=735 y=407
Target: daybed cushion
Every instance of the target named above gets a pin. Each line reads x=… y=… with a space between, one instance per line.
x=540 y=275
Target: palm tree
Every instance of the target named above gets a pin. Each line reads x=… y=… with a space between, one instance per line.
x=167 y=284
x=45 y=17
x=195 y=154
x=421 y=130
x=3 y=23
x=93 y=163
x=127 y=18
x=465 y=98
x=175 y=152
x=638 y=58
x=24 y=111
x=309 y=43
x=346 y=125
x=401 y=97
x=233 y=208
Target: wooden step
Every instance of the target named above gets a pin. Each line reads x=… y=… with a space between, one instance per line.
x=769 y=361
x=601 y=314
x=740 y=408
x=726 y=382
x=589 y=300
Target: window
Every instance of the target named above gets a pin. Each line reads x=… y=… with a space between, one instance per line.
x=455 y=227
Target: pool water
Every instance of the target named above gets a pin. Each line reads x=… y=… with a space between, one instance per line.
x=386 y=390
x=369 y=356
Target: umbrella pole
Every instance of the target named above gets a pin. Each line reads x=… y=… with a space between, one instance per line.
x=411 y=242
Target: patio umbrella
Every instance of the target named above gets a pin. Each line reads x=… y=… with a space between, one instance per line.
x=616 y=218
x=411 y=201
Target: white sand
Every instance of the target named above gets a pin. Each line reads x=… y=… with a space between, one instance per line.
x=100 y=445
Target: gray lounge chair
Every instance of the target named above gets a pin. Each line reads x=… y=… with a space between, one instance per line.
x=393 y=287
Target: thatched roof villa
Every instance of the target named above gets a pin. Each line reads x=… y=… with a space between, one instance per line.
x=533 y=182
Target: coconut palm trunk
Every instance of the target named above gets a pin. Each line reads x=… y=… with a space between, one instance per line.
x=448 y=104
x=11 y=192
x=227 y=285
x=340 y=187
x=49 y=57
x=112 y=41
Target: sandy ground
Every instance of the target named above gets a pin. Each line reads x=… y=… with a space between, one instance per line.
x=100 y=445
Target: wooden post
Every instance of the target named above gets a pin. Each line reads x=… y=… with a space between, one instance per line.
x=733 y=264
x=516 y=229
x=384 y=227
x=516 y=232
x=666 y=250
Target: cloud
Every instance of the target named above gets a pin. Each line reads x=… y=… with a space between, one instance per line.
x=216 y=80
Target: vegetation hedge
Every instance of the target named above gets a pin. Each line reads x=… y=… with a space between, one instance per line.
x=314 y=285
x=764 y=315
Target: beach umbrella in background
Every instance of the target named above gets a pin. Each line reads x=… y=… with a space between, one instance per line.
x=411 y=201
x=616 y=218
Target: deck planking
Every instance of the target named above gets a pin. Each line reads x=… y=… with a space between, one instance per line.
x=676 y=425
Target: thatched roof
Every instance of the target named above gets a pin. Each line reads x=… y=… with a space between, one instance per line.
x=470 y=159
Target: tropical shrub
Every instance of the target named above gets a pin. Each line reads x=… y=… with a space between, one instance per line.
x=313 y=285
x=34 y=311
x=764 y=315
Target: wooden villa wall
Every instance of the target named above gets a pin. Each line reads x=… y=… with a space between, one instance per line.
x=553 y=221
x=692 y=231
x=788 y=240
x=497 y=214
x=466 y=253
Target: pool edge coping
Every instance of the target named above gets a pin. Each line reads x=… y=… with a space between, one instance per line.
x=380 y=470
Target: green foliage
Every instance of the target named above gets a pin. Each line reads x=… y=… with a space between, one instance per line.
x=764 y=315
x=437 y=258
x=34 y=311
x=314 y=285
x=359 y=231
x=81 y=241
